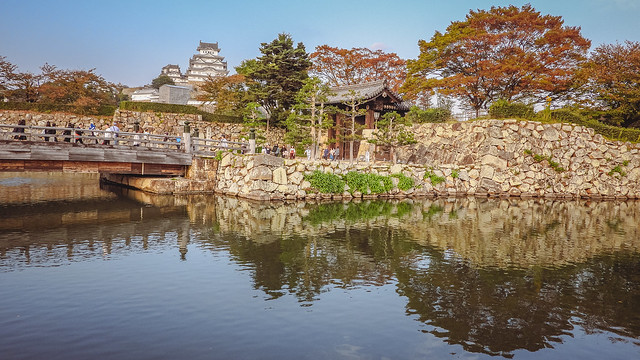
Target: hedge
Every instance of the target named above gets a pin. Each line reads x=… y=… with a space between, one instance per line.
x=609 y=131
x=178 y=109
x=433 y=115
x=102 y=110
x=503 y=109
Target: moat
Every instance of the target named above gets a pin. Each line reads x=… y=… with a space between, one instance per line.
x=93 y=271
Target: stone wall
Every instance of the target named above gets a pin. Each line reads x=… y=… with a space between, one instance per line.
x=482 y=158
x=152 y=122
x=11 y=117
x=160 y=123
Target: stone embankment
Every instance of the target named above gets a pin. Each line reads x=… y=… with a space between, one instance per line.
x=152 y=122
x=480 y=158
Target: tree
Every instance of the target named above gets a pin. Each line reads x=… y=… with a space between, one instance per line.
x=348 y=67
x=7 y=75
x=253 y=117
x=76 y=87
x=612 y=74
x=506 y=53
x=306 y=122
x=162 y=80
x=274 y=78
x=351 y=130
x=227 y=92
x=393 y=132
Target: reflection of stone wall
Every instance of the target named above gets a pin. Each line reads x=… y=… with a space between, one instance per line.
x=504 y=233
x=487 y=232
x=483 y=158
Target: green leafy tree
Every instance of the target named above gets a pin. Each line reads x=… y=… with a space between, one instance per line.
x=506 y=53
x=308 y=121
x=350 y=130
x=254 y=118
x=393 y=131
x=161 y=80
x=274 y=78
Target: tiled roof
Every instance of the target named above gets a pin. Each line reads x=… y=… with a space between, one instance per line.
x=211 y=46
x=366 y=91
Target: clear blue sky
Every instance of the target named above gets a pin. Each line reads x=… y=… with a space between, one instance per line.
x=130 y=41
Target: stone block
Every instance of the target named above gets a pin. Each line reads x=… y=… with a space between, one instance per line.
x=280 y=176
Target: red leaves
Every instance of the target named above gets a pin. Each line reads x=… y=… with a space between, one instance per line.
x=506 y=52
x=347 y=67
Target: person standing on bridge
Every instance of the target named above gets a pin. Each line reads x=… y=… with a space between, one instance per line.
x=113 y=131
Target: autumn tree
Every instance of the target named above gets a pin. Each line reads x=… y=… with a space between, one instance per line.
x=340 y=67
x=274 y=78
x=227 y=92
x=7 y=74
x=506 y=53
x=308 y=119
x=392 y=132
x=76 y=87
x=612 y=75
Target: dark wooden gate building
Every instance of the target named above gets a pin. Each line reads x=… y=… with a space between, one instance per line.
x=376 y=97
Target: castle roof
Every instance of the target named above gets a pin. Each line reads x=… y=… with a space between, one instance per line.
x=207 y=46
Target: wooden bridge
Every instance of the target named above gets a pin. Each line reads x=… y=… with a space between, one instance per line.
x=39 y=148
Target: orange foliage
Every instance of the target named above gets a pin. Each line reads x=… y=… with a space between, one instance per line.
x=348 y=67
x=504 y=53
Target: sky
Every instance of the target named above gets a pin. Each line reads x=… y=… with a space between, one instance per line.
x=128 y=42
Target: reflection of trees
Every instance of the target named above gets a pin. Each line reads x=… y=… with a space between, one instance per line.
x=497 y=312
x=488 y=307
x=308 y=266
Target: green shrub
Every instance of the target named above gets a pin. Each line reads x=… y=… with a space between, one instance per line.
x=435 y=115
x=102 y=110
x=368 y=183
x=435 y=179
x=325 y=182
x=404 y=182
x=178 y=109
x=618 y=170
x=503 y=109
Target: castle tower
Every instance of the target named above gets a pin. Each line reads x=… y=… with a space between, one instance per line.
x=206 y=62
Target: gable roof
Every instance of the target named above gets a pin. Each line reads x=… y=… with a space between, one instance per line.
x=366 y=91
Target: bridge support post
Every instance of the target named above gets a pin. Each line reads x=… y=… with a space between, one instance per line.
x=186 y=135
x=252 y=141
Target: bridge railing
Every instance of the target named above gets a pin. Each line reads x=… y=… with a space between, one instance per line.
x=199 y=146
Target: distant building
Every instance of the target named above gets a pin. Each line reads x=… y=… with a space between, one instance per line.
x=172 y=94
x=206 y=63
x=146 y=95
x=173 y=72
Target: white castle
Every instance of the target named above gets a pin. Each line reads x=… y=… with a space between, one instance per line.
x=207 y=62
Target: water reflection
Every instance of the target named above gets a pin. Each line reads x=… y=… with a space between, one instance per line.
x=493 y=276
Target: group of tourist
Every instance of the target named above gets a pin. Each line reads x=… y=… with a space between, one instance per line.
x=280 y=151
x=331 y=154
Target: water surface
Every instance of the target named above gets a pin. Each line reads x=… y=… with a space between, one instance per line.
x=88 y=271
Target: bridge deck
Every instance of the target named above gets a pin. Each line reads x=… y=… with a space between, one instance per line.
x=39 y=148
x=70 y=157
